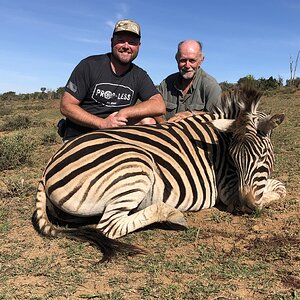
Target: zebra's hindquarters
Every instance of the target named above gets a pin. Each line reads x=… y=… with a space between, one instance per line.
x=100 y=175
x=88 y=177
x=107 y=246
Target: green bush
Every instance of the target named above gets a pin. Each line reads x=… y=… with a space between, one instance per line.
x=17 y=122
x=5 y=111
x=50 y=138
x=15 y=151
x=36 y=107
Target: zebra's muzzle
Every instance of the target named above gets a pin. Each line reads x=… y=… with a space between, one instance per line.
x=247 y=199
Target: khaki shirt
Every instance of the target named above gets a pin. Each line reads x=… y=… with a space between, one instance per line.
x=202 y=96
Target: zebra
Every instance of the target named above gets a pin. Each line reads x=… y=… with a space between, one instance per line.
x=131 y=177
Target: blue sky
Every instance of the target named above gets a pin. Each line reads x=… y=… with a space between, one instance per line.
x=42 y=41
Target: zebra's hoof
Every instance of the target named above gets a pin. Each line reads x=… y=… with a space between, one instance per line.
x=281 y=192
x=177 y=218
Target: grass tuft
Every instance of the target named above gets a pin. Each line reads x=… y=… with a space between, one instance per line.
x=15 y=151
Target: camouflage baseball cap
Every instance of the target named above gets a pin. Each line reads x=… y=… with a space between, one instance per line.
x=128 y=25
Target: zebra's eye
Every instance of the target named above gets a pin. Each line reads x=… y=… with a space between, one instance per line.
x=261 y=133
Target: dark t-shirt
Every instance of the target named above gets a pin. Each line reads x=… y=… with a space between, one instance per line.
x=102 y=92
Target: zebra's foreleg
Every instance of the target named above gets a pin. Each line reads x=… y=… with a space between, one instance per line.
x=274 y=190
x=116 y=223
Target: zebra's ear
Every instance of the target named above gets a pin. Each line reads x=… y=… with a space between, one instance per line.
x=277 y=120
x=223 y=125
x=267 y=124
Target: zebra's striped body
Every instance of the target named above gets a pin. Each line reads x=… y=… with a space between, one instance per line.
x=135 y=176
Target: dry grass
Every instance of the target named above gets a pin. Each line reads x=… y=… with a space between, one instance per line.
x=220 y=256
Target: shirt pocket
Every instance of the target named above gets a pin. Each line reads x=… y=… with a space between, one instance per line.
x=171 y=109
x=171 y=106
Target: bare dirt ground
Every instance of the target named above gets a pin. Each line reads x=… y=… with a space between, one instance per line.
x=220 y=256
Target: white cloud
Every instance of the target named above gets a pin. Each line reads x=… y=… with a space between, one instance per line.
x=122 y=11
x=88 y=41
x=111 y=24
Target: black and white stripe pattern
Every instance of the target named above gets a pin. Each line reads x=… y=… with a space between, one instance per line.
x=135 y=176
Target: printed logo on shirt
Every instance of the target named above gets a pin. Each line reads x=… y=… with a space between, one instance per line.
x=112 y=95
x=72 y=86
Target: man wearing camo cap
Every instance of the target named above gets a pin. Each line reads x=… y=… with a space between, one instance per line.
x=103 y=90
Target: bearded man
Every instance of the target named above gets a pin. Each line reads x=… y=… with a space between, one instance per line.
x=190 y=91
x=103 y=90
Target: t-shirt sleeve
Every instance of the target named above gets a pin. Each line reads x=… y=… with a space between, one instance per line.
x=79 y=82
x=147 y=88
x=161 y=88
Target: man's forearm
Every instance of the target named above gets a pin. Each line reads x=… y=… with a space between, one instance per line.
x=153 y=107
x=81 y=117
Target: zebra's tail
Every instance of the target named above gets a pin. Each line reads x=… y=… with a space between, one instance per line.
x=108 y=247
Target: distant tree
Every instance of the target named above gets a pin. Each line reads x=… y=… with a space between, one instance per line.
x=268 y=84
x=295 y=82
x=43 y=89
x=25 y=96
x=296 y=65
x=247 y=79
x=59 y=92
x=280 y=81
x=293 y=69
x=226 y=85
x=37 y=95
x=9 y=96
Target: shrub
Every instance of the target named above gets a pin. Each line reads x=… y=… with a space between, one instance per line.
x=36 y=107
x=5 y=111
x=15 y=151
x=16 y=187
x=17 y=122
x=49 y=138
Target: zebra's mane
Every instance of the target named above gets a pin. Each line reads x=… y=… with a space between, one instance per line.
x=242 y=99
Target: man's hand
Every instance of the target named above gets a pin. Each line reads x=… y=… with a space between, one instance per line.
x=180 y=115
x=114 y=120
x=185 y=114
